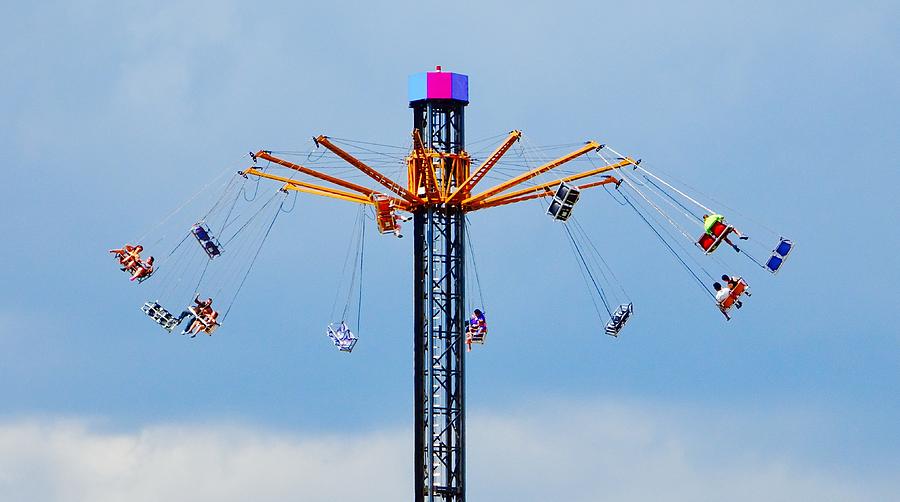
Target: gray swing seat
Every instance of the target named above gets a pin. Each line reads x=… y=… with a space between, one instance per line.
x=619 y=318
x=563 y=202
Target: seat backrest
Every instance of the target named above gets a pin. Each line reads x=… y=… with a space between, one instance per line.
x=783 y=248
x=735 y=293
x=718 y=228
x=728 y=302
x=706 y=242
x=201 y=233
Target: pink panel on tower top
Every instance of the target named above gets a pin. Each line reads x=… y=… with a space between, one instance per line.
x=440 y=85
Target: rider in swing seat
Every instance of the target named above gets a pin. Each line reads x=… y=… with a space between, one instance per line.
x=128 y=256
x=142 y=269
x=725 y=298
x=398 y=219
x=709 y=225
x=477 y=329
x=203 y=317
x=732 y=281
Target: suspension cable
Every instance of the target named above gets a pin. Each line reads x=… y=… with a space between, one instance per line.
x=657 y=178
x=471 y=245
x=672 y=250
x=587 y=268
x=253 y=261
x=660 y=211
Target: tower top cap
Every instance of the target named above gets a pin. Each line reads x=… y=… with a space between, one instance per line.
x=438 y=85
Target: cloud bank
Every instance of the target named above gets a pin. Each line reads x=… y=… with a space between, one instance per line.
x=587 y=452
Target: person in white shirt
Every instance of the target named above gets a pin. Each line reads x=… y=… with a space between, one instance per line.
x=721 y=292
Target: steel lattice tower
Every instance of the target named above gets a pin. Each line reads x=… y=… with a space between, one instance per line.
x=439 y=318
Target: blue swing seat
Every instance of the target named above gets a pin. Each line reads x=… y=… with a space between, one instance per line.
x=209 y=243
x=779 y=254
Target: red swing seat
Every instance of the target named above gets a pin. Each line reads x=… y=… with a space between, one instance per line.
x=384 y=213
x=709 y=242
x=732 y=297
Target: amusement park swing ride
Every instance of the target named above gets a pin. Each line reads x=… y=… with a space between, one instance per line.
x=443 y=180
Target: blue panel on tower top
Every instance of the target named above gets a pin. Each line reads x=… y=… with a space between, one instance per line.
x=418 y=86
x=438 y=85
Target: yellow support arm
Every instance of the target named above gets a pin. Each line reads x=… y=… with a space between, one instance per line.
x=543 y=186
x=372 y=173
x=506 y=185
x=475 y=177
x=301 y=186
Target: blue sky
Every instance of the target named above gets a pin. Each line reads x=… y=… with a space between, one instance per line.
x=113 y=115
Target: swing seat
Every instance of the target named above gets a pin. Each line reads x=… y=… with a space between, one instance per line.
x=779 y=254
x=477 y=336
x=709 y=242
x=160 y=315
x=619 y=318
x=733 y=296
x=209 y=243
x=209 y=324
x=130 y=272
x=212 y=249
x=563 y=201
x=342 y=337
x=384 y=213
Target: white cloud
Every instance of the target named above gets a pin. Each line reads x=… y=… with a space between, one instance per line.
x=574 y=453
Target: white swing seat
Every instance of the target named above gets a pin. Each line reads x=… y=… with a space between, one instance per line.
x=159 y=314
x=477 y=337
x=341 y=336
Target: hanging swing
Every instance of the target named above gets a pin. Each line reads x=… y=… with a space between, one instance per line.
x=595 y=270
x=779 y=254
x=130 y=261
x=476 y=325
x=339 y=332
x=209 y=243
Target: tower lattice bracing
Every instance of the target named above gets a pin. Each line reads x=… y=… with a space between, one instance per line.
x=440 y=311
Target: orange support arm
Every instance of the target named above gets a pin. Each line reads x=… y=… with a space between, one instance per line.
x=475 y=177
x=506 y=185
x=543 y=186
x=510 y=200
x=372 y=173
x=315 y=174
